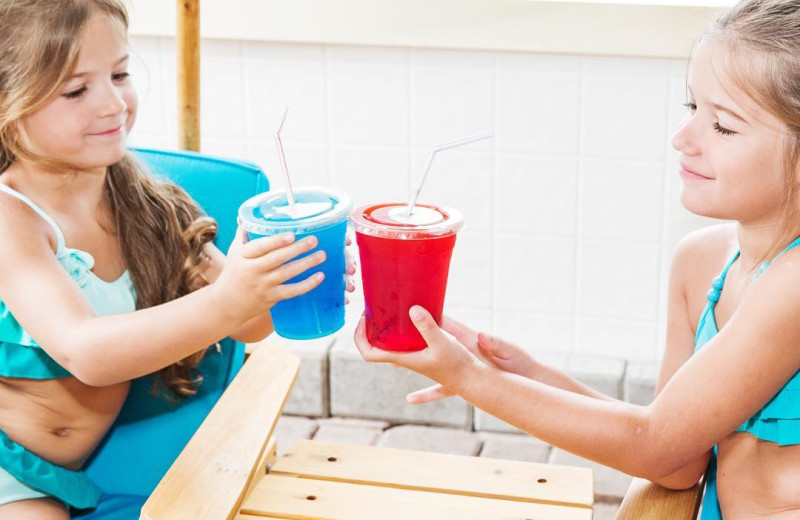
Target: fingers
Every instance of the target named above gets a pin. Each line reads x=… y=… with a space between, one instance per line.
x=427 y=395
x=239 y=239
x=464 y=334
x=427 y=326
x=494 y=347
x=262 y=246
x=349 y=262
x=292 y=290
x=297 y=267
x=281 y=255
x=367 y=351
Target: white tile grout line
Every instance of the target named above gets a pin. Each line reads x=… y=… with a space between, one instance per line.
x=411 y=100
x=495 y=239
x=579 y=204
x=327 y=80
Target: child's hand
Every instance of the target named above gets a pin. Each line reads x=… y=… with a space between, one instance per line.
x=252 y=281
x=350 y=262
x=445 y=360
x=489 y=349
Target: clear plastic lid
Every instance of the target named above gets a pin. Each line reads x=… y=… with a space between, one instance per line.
x=314 y=208
x=391 y=220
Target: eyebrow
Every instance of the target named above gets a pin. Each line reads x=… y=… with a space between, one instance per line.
x=720 y=108
x=80 y=74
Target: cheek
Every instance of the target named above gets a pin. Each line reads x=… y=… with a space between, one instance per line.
x=132 y=102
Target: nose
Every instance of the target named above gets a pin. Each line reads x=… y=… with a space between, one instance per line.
x=111 y=103
x=685 y=138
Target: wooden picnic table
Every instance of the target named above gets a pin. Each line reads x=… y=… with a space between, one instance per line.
x=229 y=470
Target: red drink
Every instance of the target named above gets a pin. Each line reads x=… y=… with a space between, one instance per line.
x=405 y=261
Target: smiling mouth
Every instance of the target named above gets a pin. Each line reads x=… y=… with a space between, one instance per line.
x=112 y=131
x=691 y=174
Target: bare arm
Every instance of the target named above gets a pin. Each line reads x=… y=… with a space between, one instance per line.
x=256 y=328
x=108 y=349
x=652 y=441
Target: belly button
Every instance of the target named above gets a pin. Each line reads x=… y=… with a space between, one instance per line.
x=61 y=432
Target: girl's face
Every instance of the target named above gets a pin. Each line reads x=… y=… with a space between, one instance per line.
x=87 y=121
x=731 y=149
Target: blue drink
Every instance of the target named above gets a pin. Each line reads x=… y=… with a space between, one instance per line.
x=321 y=212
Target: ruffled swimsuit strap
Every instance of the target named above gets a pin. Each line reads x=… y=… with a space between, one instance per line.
x=47 y=218
x=71 y=487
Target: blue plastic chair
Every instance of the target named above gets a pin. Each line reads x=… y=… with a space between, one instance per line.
x=150 y=432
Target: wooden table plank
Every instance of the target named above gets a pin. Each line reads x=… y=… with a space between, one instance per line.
x=303 y=498
x=212 y=473
x=647 y=500
x=477 y=476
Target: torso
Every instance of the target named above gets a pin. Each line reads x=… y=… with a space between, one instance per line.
x=62 y=420
x=755 y=478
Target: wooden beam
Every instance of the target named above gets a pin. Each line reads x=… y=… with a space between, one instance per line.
x=188 y=46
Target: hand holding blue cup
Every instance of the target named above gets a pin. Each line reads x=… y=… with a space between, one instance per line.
x=322 y=212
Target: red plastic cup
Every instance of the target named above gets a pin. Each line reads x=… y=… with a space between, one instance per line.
x=405 y=261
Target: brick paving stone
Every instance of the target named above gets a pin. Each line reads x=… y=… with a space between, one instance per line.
x=353 y=423
x=309 y=395
x=640 y=381
x=605 y=510
x=431 y=438
x=609 y=484
x=378 y=391
x=603 y=374
x=347 y=434
x=512 y=446
x=291 y=429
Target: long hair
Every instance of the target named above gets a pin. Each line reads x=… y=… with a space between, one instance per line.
x=160 y=229
x=760 y=40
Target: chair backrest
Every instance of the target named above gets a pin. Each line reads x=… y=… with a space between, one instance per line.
x=150 y=432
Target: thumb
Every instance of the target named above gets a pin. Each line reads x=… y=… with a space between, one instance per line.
x=426 y=326
x=239 y=240
x=427 y=395
x=495 y=347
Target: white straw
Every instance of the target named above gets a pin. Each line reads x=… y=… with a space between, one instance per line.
x=437 y=149
x=287 y=181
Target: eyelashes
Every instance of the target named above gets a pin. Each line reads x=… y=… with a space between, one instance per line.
x=692 y=107
x=117 y=78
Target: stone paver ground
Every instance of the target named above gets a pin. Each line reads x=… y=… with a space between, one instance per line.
x=610 y=485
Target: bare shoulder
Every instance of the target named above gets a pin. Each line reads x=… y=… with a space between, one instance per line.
x=703 y=253
x=22 y=230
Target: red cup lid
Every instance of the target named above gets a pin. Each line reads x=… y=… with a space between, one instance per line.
x=392 y=220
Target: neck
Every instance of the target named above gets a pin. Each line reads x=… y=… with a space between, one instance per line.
x=61 y=191
x=761 y=242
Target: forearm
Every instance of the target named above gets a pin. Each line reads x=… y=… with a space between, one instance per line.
x=558 y=379
x=110 y=349
x=613 y=433
x=255 y=329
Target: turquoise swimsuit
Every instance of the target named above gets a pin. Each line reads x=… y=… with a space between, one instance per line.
x=778 y=421
x=23 y=474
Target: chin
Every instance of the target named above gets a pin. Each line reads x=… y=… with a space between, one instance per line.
x=698 y=207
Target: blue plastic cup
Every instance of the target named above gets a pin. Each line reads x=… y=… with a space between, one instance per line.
x=322 y=212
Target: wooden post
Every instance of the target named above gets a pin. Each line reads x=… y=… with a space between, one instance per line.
x=188 y=45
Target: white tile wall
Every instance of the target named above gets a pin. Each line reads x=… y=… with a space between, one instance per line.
x=572 y=210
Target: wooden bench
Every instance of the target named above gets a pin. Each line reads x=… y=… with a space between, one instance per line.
x=647 y=501
x=229 y=470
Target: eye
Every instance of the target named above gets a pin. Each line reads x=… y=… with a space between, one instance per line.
x=722 y=130
x=121 y=76
x=74 y=94
x=691 y=107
